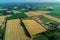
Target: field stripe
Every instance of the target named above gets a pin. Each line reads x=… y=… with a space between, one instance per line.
x=33 y=27
x=52 y=18
x=14 y=30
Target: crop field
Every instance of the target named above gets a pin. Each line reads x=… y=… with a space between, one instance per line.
x=16 y=16
x=55 y=12
x=2 y=20
x=47 y=20
x=14 y=30
x=15 y=11
x=32 y=28
x=53 y=18
x=57 y=15
x=41 y=37
x=35 y=13
x=2 y=26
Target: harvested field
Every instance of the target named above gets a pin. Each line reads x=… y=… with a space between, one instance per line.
x=33 y=27
x=52 y=18
x=2 y=20
x=14 y=30
x=44 y=12
x=35 y=13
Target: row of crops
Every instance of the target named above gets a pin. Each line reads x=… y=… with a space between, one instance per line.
x=2 y=26
x=31 y=27
x=41 y=37
x=44 y=19
x=14 y=30
x=51 y=35
x=54 y=10
x=55 y=14
x=51 y=24
x=16 y=16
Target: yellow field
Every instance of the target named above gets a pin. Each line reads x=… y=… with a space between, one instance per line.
x=33 y=27
x=2 y=20
x=14 y=30
x=35 y=13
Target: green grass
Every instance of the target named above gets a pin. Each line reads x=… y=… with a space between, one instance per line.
x=56 y=12
x=57 y=35
x=41 y=37
x=44 y=19
x=16 y=16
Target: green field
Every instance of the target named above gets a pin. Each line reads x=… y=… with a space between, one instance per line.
x=41 y=37
x=57 y=35
x=55 y=11
x=44 y=19
x=15 y=16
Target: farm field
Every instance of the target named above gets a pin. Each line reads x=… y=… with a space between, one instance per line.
x=55 y=12
x=41 y=37
x=30 y=21
x=45 y=19
x=2 y=26
x=32 y=28
x=14 y=30
x=16 y=12
x=53 y=18
x=16 y=16
x=2 y=20
x=35 y=13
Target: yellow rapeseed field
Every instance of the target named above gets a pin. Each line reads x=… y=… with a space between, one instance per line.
x=33 y=27
x=14 y=30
